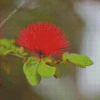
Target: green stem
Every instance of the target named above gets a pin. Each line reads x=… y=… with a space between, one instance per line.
x=53 y=63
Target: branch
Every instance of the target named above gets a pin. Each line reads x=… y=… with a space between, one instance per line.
x=16 y=55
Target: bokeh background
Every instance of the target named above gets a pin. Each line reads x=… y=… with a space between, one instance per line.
x=80 y=21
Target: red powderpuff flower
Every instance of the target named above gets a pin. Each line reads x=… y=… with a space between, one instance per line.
x=44 y=39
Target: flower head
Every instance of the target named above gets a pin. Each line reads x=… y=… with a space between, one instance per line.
x=43 y=38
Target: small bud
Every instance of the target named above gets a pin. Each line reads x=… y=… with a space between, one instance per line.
x=58 y=62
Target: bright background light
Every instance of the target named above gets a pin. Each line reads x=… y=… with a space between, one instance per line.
x=89 y=78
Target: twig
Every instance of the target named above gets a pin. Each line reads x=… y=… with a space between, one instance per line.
x=16 y=55
x=52 y=63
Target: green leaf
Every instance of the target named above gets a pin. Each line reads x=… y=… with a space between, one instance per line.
x=46 y=59
x=24 y=54
x=4 y=51
x=21 y=50
x=5 y=42
x=67 y=56
x=58 y=72
x=79 y=60
x=33 y=58
x=30 y=70
x=45 y=70
x=9 y=45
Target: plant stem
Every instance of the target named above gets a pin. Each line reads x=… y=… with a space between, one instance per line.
x=57 y=62
x=53 y=63
x=16 y=55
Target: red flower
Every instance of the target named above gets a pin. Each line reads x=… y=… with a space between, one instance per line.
x=44 y=39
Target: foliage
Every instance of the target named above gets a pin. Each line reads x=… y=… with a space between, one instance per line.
x=7 y=46
x=79 y=60
x=36 y=67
